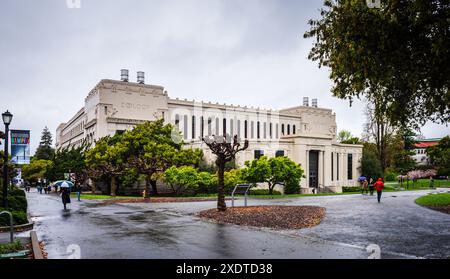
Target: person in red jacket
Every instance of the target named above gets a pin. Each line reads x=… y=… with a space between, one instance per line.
x=379 y=185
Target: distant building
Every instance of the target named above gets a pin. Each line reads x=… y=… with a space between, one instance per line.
x=305 y=133
x=420 y=150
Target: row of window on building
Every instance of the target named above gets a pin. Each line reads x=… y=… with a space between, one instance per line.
x=349 y=166
x=264 y=130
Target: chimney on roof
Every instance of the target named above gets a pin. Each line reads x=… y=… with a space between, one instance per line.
x=305 y=101
x=124 y=75
x=314 y=103
x=141 y=77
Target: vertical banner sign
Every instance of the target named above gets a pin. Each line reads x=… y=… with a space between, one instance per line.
x=20 y=147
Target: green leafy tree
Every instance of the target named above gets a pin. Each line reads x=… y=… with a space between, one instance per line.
x=370 y=165
x=396 y=55
x=106 y=161
x=69 y=160
x=401 y=149
x=273 y=171
x=45 y=150
x=36 y=170
x=182 y=178
x=150 y=149
x=346 y=137
x=440 y=156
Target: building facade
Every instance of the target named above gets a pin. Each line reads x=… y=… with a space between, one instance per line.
x=420 y=150
x=304 y=133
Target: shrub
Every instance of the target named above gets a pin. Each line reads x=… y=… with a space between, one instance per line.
x=351 y=189
x=17 y=203
x=16 y=192
x=263 y=192
x=19 y=218
x=390 y=176
x=292 y=188
x=11 y=247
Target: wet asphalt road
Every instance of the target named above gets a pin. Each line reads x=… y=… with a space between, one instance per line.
x=172 y=231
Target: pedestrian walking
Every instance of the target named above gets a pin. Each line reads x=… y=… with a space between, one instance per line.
x=379 y=185
x=65 y=195
x=79 y=193
x=365 y=187
x=371 y=187
x=431 y=183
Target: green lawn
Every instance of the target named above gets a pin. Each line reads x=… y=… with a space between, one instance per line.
x=98 y=197
x=419 y=184
x=434 y=200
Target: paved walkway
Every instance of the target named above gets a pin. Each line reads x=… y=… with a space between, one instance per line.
x=399 y=226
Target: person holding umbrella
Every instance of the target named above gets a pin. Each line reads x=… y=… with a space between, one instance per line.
x=65 y=186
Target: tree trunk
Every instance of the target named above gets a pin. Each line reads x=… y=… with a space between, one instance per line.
x=154 y=188
x=221 y=205
x=147 y=188
x=113 y=187
x=271 y=188
x=93 y=187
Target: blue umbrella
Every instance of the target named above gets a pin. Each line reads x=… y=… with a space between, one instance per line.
x=64 y=184
x=362 y=178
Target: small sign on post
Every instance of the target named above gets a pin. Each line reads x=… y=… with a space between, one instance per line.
x=240 y=189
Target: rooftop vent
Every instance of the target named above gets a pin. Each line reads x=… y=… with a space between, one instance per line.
x=314 y=103
x=306 y=101
x=141 y=77
x=124 y=75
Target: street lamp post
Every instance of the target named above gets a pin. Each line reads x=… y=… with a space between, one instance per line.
x=7 y=117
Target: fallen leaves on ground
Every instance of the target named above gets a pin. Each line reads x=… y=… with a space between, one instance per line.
x=277 y=217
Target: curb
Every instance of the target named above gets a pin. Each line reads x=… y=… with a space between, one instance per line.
x=36 y=249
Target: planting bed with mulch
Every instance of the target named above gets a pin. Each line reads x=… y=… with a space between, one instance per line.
x=157 y=200
x=442 y=208
x=276 y=217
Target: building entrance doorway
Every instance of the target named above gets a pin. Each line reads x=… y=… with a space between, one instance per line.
x=314 y=169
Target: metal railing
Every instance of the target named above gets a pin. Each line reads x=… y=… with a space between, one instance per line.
x=240 y=186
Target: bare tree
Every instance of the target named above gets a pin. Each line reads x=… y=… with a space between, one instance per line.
x=225 y=149
x=378 y=128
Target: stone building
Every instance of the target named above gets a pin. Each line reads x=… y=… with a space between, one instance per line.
x=305 y=133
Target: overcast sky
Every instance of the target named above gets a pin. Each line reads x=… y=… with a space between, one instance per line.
x=229 y=51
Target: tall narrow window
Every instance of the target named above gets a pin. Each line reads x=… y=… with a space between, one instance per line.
x=276 y=132
x=224 y=126
x=270 y=130
x=246 y=129
x=185 y=126
x=332 y=166
x=288 y=129
x=231 y=128
x=258 y=134
x=265 y=130
x=252 y=129
x=177 y=121
x=202 y=127
x=217 y=126
x=209 y=126
x=293 y=129
x=193 y=126
x=350 y=166
x=239 y=128
x=282 y=129
x=337 y=166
